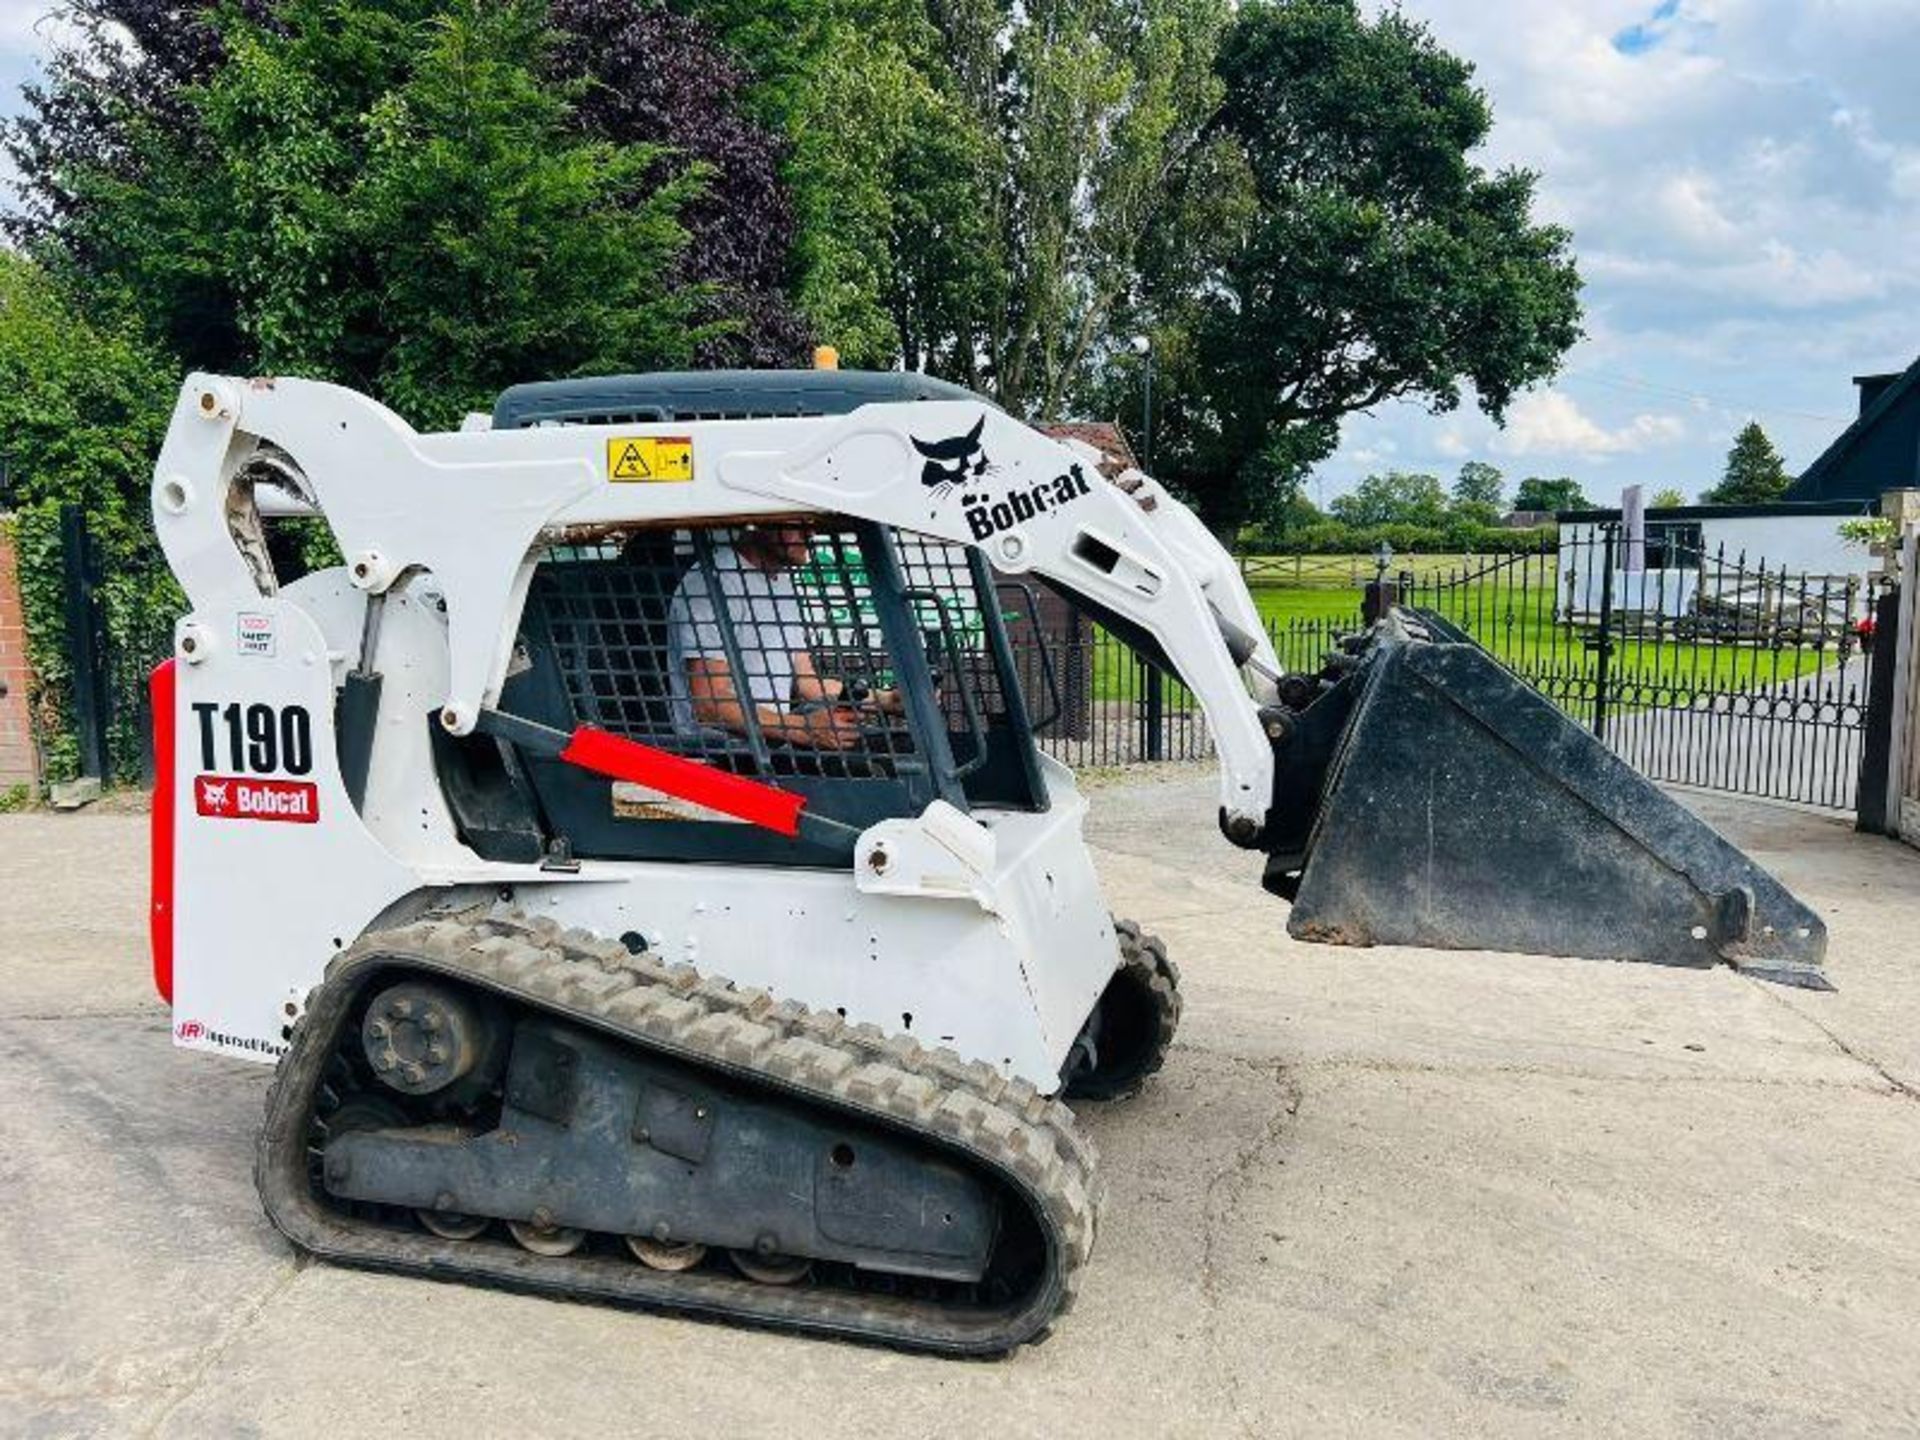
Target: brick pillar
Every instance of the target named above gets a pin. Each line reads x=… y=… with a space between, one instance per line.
x=18 y=765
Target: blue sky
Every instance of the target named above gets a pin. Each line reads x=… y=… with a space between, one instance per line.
x=1742 y=178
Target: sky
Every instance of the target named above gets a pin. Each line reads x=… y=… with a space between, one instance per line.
x=1742 y=180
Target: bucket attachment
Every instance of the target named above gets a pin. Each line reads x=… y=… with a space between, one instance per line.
x=1426 y=796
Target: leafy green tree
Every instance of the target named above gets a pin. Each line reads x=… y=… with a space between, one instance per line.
x=1393 y=498
x=976 y=180
x=82 y=411
x=392 y=194
x=1755 y=472
x=897 y=250
x=1377 y=261
x=1666 y=499
x=1297 y=513
x=1537 y=493
x=1107 y=102
x=638 y=75
x=1478 y=493
x=780 y=42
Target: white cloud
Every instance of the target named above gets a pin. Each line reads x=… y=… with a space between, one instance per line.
x=1742 y=179
x=1772 y=273
x=29 y=28
x=1686 y=201
x=1548 y=422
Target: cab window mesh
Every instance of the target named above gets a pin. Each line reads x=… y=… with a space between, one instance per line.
x=950 y=610
x=754 y=649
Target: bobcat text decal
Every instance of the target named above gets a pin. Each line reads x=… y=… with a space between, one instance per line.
x=239 y=797
x=987 y=517
x=959 y=462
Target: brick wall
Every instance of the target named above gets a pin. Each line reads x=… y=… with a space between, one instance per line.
x=16 y=740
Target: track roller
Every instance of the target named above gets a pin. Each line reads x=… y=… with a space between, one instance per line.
x=668 y=1255
x=546 y=1238
x=771 y=1269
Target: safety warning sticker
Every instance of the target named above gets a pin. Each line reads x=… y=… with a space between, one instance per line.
x=650 y=458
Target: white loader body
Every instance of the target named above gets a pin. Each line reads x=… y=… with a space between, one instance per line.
x=982 y=930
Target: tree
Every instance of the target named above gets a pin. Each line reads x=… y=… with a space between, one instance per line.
x=1755 y=474
x=1667 y=499
x=128 y=149
x=1551 y=496
x=976 y=180
x=1376 y=261
x=898 y=251
x=1393 y=498
x=1296 y=514
x=1478 y=493
x=657 y=78
x=82 y=411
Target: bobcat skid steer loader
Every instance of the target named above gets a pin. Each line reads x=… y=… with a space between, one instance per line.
x=637 y=857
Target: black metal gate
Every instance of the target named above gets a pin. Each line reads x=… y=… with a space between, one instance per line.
x=118 y=626
x=1698 y=667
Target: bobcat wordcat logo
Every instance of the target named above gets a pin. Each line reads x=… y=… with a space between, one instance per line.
x=649 y=459
x=242 y=797
x=960 y=463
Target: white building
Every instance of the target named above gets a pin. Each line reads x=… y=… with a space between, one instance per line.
x=1717 y=558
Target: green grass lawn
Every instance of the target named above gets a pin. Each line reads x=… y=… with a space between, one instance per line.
x=1517 y=626
x=1515 y=623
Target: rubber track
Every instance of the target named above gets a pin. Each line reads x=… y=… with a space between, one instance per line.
x=1143 y=960
x=1028 y=1140
x=1147 y=955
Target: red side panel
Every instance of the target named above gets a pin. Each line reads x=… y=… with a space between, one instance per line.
x=160 y=915
x=744 y=799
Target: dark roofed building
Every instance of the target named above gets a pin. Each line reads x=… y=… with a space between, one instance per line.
x=1879 y=451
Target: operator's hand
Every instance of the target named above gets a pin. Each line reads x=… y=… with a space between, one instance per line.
x=832 y=727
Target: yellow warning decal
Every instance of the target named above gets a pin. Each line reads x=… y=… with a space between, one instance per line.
x=649 y=458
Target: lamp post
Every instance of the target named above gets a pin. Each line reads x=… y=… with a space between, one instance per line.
x=1152 y=713
x=1142 y=345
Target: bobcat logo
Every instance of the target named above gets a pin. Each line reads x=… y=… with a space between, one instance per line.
x=213 y=796
x=954 y=461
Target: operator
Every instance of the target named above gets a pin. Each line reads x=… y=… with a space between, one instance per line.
x=791 y=700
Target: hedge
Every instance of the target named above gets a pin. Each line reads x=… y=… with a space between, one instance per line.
x=1331 y=537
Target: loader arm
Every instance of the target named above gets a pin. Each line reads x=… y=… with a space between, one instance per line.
x=1413 y=792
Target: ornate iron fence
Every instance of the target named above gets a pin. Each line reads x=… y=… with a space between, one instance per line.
x=1699 y=667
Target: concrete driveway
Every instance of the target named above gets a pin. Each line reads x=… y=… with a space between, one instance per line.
x=1389 y=1192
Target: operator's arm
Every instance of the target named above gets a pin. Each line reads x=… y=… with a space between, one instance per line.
x=716 y=702
x=810 y=684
